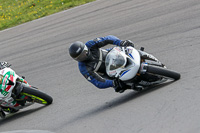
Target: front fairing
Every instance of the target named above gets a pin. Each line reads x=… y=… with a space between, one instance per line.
x=123 y=63
x=6 y=75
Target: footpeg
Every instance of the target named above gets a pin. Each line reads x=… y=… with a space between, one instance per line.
x=137 y=87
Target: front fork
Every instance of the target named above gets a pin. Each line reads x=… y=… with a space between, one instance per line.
x=20 y=99
x=143 y=68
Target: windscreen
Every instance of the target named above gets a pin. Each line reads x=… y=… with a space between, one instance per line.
x=114 y=60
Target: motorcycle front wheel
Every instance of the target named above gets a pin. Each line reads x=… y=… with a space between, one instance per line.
x=37 y=96
x=155 y=70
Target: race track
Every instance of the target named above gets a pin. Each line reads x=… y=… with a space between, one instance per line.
x=169 y=29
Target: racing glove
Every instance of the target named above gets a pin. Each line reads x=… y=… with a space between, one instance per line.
x=4 y=64
x=127 y=43
x=119 y=86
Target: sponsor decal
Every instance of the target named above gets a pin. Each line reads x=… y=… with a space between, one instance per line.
x=125 y=72
x=131 y=55
x=118 y=49
x=4 y=92
x=130 y=50
x=5 y=79
x=112 y=72
x=2 y=71
x=9 y=86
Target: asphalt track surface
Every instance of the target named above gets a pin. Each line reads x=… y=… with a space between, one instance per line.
x=169 y=29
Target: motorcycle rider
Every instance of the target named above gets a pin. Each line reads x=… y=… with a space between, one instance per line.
x=91 y=61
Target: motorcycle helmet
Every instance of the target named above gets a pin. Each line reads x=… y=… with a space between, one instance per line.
x=78 y=51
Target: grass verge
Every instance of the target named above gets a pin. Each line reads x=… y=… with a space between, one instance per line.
x=15 y=12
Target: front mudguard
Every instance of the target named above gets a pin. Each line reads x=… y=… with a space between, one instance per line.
x=18 y=88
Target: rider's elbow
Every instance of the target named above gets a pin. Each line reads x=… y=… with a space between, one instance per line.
x=103 y=85
x=100 y=86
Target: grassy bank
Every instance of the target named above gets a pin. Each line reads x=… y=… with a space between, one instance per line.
x=15 y=12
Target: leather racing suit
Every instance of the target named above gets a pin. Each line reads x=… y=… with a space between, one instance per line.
x=94 y=69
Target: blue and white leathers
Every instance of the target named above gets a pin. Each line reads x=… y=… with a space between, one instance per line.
x=94 y=68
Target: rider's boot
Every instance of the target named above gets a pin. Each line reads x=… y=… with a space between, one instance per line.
x=122 y=90
x=14 y=107
x=136 y=87
x=10 y=110
x=2 y=114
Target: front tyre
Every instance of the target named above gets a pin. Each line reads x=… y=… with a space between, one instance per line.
x=163 y=72
x=37 y=96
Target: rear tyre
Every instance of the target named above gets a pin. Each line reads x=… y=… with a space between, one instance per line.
x=37 y=96
x=163 y=72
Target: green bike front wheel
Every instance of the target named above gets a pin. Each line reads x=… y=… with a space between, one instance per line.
x=37 y=96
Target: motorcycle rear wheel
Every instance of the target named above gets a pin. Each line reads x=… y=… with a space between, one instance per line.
x=163 y=72
x=37 y=96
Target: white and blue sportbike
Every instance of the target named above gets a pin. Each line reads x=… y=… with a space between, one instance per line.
x=137 y=68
